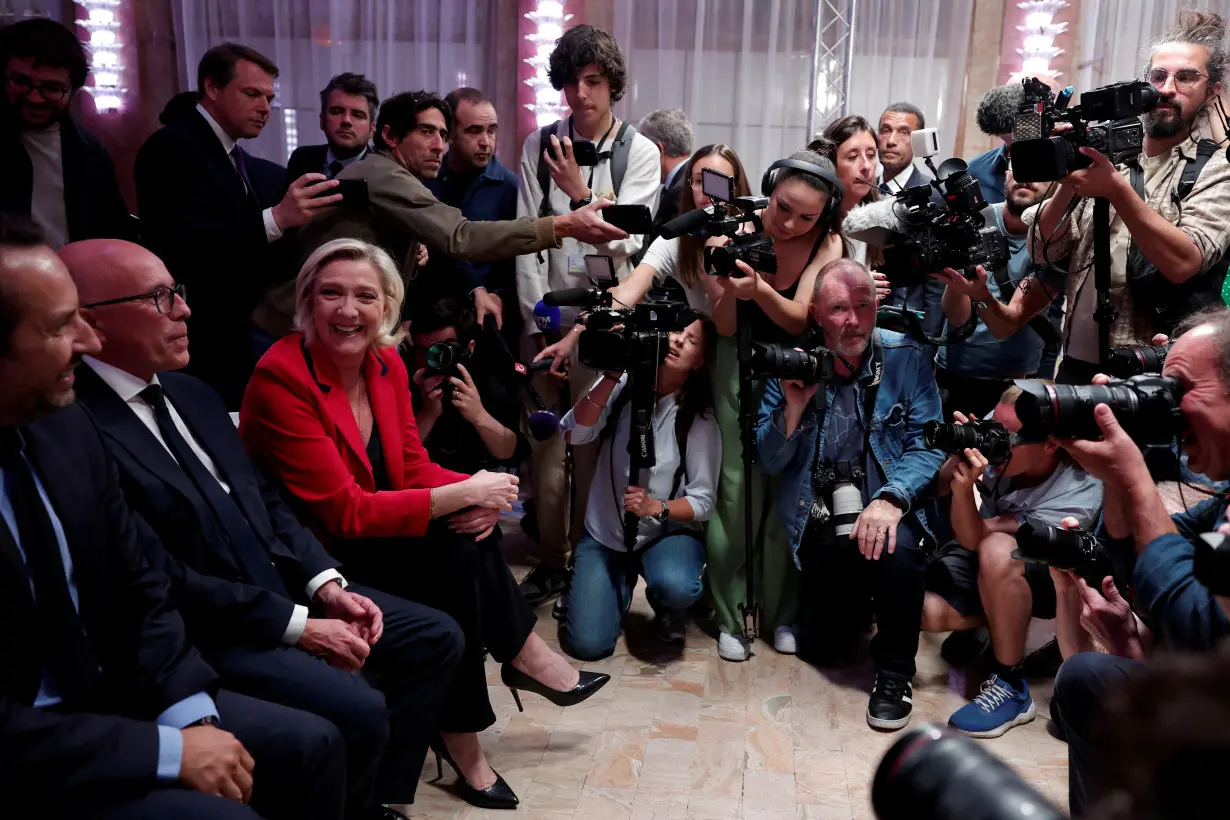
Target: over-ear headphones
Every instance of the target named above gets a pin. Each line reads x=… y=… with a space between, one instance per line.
x=836 y=190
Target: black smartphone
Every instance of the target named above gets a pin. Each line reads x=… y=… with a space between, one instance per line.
x=583 y=151
x=353 y=191
x=635 y=219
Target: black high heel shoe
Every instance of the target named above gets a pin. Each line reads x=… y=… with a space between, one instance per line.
x=515 y=679
x=496 y=796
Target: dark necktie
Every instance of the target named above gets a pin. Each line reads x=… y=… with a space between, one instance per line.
x=884 y=189
x=335 y=168
x=64 y=647
x=241 y=166
x=246 y=550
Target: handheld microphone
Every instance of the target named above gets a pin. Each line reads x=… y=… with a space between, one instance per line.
x=547 y=319
x=566 y=297
x=543 y=422
x=691 y=222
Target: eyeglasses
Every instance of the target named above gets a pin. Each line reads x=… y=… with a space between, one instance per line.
x=164 y=298
x=1184 y=78
x=51 y=92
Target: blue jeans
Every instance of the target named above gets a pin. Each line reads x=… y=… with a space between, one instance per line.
x=603 y=580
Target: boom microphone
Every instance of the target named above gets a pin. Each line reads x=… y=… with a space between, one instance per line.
x=691 y=222
x=567 y=297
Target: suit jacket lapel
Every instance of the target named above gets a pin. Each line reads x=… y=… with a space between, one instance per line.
x=337 y=404
x=388 y=419
x=222 y=165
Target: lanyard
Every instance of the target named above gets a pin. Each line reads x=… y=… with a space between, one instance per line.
x=598 y=149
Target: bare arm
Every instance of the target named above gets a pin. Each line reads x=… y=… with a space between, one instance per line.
x=589 y=408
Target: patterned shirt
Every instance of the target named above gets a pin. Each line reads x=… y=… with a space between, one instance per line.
x=1204 y=215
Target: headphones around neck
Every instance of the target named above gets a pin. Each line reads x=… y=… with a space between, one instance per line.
x=836 y=190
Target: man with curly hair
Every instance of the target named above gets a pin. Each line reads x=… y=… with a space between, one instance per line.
x=588 y=66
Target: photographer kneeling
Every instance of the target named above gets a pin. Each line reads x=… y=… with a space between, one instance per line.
x=976 y=578
x=853 y=467
x=468 y=419
x=1181 y=611
x=682 y=486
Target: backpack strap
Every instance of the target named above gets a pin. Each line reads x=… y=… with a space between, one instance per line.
x=621 y=147
x=1191 y=171
x=544 y=173
x=683 y=427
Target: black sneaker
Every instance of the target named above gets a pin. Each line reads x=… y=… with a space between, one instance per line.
x=560 y=611
x=891 y=703
x=671 y=627
x=542 y=584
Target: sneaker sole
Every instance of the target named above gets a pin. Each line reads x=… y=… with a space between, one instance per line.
x=892 y=725
x=790 y=650
x=1020 y=720
x=726 y=656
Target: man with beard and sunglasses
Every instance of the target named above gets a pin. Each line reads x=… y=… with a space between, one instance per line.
x=1184 y=237
x=52 y=169
x=974 y=373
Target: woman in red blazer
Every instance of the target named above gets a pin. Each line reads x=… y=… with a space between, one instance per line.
x=328 y=411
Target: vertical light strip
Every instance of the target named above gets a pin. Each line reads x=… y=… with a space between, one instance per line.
x=1038 y=37
x=103 y=24
x=549 y=19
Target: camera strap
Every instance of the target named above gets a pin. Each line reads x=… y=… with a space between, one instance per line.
x=621 y=147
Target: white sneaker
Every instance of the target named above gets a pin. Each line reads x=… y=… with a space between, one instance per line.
x=785 y=640
x=732 y=647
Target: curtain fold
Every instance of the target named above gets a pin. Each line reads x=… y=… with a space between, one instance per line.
x=401 y=46
x=1115 y=35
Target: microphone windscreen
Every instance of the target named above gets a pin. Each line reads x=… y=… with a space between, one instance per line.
x=543 y=424
x=566 y=297
x=691 y=222
x=876 y=215
x=546 y=317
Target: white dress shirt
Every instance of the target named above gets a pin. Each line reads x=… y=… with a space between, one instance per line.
x=346 y=163
x=901 y=181
x=128 y=387
x=272 y=231
x=47 y=208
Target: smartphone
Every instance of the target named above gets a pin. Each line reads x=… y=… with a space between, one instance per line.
x=635 y=219
x=717 y=186
x=584 y=152
x=599 y=267
x=353 y=191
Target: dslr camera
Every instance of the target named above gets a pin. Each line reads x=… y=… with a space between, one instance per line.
x=1076 y=551
x=1146 y=406
x=1039 y=156
x=987 y=436
x=1126 y=362
x=814 y=366
x=727 y=218
x=442 y=359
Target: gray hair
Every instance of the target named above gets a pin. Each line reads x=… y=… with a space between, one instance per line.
x=1199 y=28
x=392 y=288
x=1216 y=317
x=907 y=108
x=841 y=266
x=670 y=127
x=997 y=111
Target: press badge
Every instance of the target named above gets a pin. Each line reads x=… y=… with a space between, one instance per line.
x=576 y=265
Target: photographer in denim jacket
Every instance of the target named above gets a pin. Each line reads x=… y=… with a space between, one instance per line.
x=857 y=445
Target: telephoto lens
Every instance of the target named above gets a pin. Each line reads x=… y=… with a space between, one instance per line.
x=938 y=774
x=1126 y=362
x=989 y=437
x=1146 y=406
x=1076 y=551
x=847 y=504
x=780 y=362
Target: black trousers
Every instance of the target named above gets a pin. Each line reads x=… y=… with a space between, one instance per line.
x=300 y=772
x=841 y=589
x=387 y=715
x=467 y=579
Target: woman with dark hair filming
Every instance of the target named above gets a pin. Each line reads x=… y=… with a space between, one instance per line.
x=329 y=413
x=678 y=496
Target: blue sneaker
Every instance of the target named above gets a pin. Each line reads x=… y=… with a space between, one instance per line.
x=995 y=711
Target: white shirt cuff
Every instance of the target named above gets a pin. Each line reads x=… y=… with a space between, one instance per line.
x=298 y=623
x=314 y=585
x=272 y=232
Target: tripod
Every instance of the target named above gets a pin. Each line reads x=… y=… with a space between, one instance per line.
x=753 y=538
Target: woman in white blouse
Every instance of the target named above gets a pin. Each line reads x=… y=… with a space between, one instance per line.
x=671 y=501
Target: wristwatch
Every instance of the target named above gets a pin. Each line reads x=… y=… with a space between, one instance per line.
x=665 y=515
x=981 y=304
x=208 y=720
x=578 y=204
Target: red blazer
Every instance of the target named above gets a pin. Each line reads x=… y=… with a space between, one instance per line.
x=297 y=424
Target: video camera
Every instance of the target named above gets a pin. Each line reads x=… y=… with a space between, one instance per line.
x=635 y=340
x=940 y=774
x=1076 y=551
x=1039 y=156
x=728 y=216
x=1146 y=406
x=1126 y=362
x=987 y=436
x=815 y=366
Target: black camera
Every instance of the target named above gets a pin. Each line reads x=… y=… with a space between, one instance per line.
x=940 y=774
x=1126 y=362
x=987 y=436
x=952 y=235
x=640 y=344
x=1039 y=156
x=443 y=357
x=813 y=366
x=1076 y=551
x=727 y=217
x=755 y=249
x=1211 y=564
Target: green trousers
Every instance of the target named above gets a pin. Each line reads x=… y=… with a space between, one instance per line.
x=777 y=578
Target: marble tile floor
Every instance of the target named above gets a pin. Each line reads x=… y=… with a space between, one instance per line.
x=680 y=734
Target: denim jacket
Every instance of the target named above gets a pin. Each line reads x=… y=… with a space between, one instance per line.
x=906 y=399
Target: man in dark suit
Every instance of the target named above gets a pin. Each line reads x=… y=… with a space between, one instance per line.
x=52 y=169
x=106 y=710
x=246 y=570
x=669 y=129
x=348 y=117
x=213 y=213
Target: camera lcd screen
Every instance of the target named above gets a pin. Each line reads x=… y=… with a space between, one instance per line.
x=717 y=186
x=599 y=267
